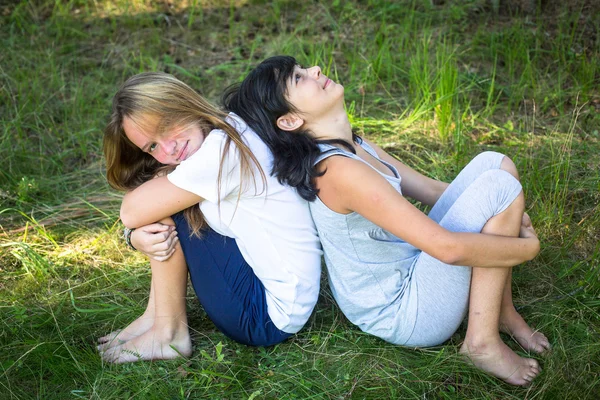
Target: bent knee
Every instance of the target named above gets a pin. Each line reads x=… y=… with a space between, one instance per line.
x=501 y=188
x=488 y=157
x=487 y=160
x=509 y=166
x=167 y=221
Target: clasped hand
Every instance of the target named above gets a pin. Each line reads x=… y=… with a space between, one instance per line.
x=527 y=230
x=157 y=240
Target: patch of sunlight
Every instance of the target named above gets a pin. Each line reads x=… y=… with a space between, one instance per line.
x=97 y=248
x=135 y=7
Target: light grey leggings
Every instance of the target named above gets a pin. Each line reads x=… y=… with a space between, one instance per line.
x=478 y=193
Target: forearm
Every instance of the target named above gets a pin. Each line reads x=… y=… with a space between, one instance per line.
x=437 y=189
x=137 y=211
x=484 y=250
x=153 y=201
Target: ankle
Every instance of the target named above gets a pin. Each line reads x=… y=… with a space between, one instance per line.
x=508 y=311
x=170 y=329
x=476 y=343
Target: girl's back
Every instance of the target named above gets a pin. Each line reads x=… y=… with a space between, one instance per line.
x=367 y=266
x=272 y=225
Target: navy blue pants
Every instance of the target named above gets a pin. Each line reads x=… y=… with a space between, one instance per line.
x=231 y=294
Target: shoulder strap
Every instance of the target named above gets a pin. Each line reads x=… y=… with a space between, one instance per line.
x=328 y=150
x=367 y=147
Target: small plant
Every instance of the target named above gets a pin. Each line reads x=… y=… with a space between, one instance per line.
x=432 y=82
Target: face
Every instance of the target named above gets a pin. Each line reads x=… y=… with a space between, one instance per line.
x=312 y=93
x=171 y=149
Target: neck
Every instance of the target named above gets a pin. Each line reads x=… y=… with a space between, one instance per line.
x=334 y=125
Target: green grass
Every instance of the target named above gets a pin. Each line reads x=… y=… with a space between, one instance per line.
x=433 y=85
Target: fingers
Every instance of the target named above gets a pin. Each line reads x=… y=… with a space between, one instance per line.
x=164 y=250
x=526 y=220
x=527 y=232
x=160 y=241
x=157 y=227
x=165 y=257
x=160 y=245
x=167 y=243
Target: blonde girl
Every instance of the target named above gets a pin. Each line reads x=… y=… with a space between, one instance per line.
x=250 y=244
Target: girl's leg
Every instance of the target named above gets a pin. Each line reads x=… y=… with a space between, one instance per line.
x=169 y=335
x=136 y=328
x=511 y=321
x=481 y=197
x=231 y=294
x=483 y=344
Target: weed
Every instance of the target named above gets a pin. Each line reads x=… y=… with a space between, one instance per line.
x=432 y=84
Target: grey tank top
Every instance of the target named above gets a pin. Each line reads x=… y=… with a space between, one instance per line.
x=368 y=267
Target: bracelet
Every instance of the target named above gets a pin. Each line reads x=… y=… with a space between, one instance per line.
x=127 y=236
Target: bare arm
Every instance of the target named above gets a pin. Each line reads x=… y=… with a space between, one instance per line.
x=414 y=184
x=375 y=199
x=153 y=201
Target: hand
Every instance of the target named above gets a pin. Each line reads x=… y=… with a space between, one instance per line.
x=155 y=240
x=527 y=230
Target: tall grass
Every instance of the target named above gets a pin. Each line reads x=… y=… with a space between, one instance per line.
x=433 y=85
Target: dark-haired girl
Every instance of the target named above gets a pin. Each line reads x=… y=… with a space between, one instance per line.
x=406 y=277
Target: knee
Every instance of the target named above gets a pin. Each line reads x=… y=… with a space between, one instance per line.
x=167 y=221
x=509 y=166
x=490 y=160
x=489 y=157
x=502 y=188
x=519 y=203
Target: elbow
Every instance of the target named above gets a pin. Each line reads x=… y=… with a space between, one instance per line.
x=128 y=216
x=535 y=250
x=452 y=257
x=126 y=219
x=437 y=191
x=452 y=253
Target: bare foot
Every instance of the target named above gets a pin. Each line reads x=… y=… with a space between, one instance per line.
x=497 y=359
x=152 y=345
x=513 y=324
x=120 y=336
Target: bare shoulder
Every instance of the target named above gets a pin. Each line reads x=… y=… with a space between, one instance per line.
x=345 y=180
x=340 y=170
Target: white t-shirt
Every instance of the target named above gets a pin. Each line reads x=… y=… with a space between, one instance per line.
x=272 y=226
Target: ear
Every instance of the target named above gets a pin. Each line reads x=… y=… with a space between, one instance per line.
x=289 y=122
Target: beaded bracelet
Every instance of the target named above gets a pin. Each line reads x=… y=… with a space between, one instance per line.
x=127 y=236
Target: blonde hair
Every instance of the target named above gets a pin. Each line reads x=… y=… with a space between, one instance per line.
x=170 y=103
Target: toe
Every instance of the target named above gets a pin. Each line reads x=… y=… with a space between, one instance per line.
x=533 y=362
x=103 y=347
x=531 y=375
x=110 y=344
x=109 y=337
x=538 y=348
x=546 y=344
x=111 y=354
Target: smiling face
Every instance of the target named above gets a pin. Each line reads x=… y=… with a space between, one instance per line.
x=171 y=148
x=313 y=94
